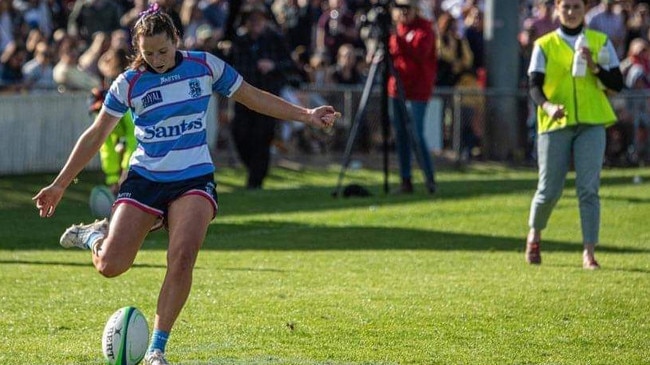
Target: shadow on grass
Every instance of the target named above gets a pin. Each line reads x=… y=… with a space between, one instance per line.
x=607 y=267
x=631 y=200
x=68 y=263
x=18 y=190
x=264 y=235
x=273 y=236
x=281 y=236
x=243 y=202
x=16 y=193
x=22 y=229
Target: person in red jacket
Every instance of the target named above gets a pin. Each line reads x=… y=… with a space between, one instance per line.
x=412 y=49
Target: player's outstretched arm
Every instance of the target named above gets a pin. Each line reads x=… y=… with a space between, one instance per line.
x=266 y=103
x=86 y=147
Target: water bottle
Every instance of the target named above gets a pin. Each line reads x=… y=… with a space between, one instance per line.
x=603 y=62
x=603 y=58
x=579 y=68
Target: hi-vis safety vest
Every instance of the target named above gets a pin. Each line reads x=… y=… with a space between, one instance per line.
x=584 y=102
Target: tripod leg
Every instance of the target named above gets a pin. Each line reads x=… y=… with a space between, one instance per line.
x=358 y=118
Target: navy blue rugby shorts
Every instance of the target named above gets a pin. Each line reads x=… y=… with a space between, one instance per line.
x=156 y=197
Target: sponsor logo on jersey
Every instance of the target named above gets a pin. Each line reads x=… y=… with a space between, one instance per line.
x=152 y=98
x=168 y=79
x=195 y=88
x=154 y=132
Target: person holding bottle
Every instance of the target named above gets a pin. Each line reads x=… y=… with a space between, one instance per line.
x=572 y=114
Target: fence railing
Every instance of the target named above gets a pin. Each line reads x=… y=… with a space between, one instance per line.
x=474 y=123
x=39 y=130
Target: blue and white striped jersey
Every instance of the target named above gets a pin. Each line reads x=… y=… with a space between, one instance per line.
x=169 y=112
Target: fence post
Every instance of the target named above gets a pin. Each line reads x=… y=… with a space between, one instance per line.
x=457 y=124
x=501 y=25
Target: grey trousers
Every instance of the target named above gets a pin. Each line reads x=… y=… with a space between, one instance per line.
x=554 y=150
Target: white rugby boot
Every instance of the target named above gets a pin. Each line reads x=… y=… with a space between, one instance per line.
x=84 y=236
x=156 y=357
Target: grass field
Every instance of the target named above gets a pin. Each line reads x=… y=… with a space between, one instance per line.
x=289 y=275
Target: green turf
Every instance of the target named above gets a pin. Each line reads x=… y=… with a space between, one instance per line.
x=289 y=275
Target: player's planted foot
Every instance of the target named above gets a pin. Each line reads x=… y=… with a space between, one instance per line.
x=156 y=357
x=84 y=236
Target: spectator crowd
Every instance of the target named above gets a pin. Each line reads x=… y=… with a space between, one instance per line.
x=62 y=44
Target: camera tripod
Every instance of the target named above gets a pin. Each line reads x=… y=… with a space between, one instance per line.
x=381 y=59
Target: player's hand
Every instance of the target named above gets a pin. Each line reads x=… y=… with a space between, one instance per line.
x=47 y=199
x=324 y=117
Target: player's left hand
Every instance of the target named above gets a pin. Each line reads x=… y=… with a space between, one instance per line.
x=47 y=199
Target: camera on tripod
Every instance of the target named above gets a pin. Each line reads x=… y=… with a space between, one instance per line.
x=375 y=23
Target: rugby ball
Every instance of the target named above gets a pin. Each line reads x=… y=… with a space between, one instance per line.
x=101 y=201
x=126 y=337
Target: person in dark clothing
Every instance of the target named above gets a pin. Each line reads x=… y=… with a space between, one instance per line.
x=345 y=71
x=296 y=20
x=262 y=57
x=90 y=17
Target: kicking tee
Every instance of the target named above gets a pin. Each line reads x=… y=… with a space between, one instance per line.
x=169 y=113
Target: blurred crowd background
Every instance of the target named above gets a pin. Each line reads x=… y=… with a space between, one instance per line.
x=70 y=46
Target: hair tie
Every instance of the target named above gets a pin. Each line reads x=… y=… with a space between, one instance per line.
x=153 y=9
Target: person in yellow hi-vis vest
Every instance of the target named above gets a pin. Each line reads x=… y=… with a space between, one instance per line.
x=116 y=151
x=570 y=69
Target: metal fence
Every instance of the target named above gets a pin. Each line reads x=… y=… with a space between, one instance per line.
x=40 y=129
x=461 y=125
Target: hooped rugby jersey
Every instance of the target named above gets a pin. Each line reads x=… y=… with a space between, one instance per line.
x=169 y=113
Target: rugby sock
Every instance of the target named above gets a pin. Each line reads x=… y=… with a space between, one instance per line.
x=96 y=246
x=93 y=239
x=158 y=340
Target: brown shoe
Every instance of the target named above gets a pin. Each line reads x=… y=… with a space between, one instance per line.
x=405 y=188
x=590 y=264
x=533 y=254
